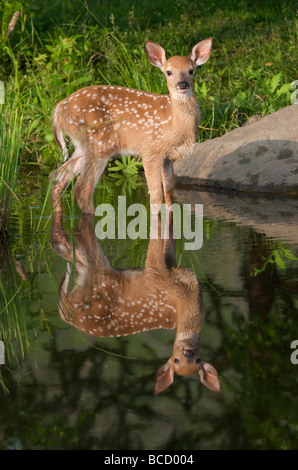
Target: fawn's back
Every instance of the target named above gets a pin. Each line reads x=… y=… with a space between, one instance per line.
x=115 y=120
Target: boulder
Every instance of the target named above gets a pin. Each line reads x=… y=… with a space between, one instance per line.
x=260 y=157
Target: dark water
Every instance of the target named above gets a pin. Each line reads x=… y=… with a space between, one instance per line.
x=63 y=388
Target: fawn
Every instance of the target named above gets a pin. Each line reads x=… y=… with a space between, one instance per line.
x=103 y=301
x=103 y=121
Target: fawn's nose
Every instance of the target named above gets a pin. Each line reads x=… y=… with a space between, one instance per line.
x=182 y=86
x=188 y=352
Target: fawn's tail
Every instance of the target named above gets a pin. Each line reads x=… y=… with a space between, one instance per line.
x=58 y=134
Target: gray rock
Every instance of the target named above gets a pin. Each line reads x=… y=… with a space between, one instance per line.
x=251 y=120
x=261 y=157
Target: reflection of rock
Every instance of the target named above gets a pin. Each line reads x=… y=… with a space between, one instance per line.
x=103 y=301
x=276 y=217
x=260 y=157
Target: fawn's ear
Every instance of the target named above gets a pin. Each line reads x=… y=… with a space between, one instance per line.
x=201 y=52
x=164 y=378
x=209 y=377
x=156 y=54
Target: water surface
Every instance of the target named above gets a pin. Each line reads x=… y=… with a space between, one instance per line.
x=63 y=388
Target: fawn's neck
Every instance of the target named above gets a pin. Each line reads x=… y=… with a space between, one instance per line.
x=185 y=110
x=189 y=327
x=190 y=310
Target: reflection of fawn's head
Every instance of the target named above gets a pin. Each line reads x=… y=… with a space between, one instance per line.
x=109 y=302
x=185 y=359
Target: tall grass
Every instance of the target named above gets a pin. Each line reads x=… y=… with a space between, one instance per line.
x=11 y=152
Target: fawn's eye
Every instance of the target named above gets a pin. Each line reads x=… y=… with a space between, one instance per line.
x=191 y=72
x=169 y=72
x=176 y=361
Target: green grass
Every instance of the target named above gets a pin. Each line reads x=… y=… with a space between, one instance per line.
x=11 y=123
x=59 y=47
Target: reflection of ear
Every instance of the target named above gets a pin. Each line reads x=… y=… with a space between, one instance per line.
x=164 y=378
x=209 y=376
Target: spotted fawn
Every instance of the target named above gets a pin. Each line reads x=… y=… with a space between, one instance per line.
x=104 y=121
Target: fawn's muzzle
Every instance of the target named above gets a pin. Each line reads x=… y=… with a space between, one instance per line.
x=188 y=352
x=182 y=86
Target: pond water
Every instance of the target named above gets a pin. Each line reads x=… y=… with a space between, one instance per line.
x=64 y=387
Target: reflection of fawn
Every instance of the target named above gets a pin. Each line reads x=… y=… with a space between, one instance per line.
x=109 y=302
x=103 y=121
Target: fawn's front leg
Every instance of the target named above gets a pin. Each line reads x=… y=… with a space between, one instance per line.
x=168 y=181
x=153 y=173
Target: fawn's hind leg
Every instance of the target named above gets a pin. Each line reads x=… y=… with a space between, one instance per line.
x=87 y=181
x=63 y=175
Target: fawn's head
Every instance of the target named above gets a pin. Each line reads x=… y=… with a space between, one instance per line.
x=179 y=69
x=185 y=359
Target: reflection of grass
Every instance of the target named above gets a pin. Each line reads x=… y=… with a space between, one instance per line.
x=13 y=328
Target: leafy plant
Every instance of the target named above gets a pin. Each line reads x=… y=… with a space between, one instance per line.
x=270 y=90
x=125 y=173
x=277 y=256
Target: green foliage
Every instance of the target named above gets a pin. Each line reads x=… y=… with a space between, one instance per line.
x=125 y=173
x=11 y=152
x=277 y=256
